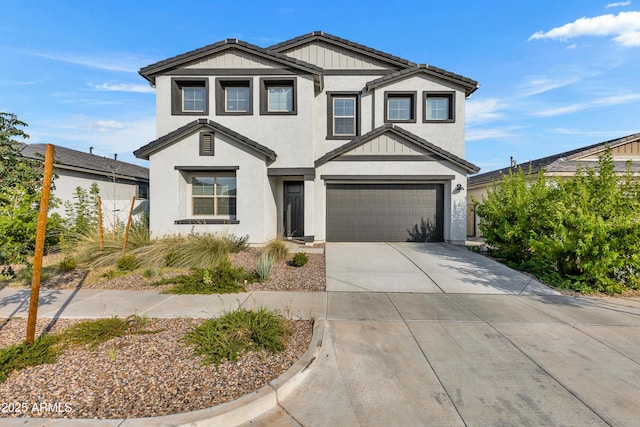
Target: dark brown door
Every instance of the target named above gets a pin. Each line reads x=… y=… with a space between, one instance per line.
x=294 y=208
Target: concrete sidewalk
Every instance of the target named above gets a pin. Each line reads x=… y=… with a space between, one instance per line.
x=412 y=359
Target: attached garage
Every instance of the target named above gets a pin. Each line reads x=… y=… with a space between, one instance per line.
x=379 y=212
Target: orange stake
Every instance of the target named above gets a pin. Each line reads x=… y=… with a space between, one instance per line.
x=126 y=231
x=39 y=250
x=100 y=223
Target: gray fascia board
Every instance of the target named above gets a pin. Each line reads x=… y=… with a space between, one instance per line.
x=469 y=84
x=188 y=129
x=149 y=72
x=468 y=166
x=290 y=171
x=387 y=177
x=206 y=168
x=320 y=35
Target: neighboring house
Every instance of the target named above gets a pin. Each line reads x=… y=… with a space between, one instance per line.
x=561 y=164
x=118 y=182
x=316 y=138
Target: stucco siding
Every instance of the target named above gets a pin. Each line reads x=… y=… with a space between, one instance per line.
x=172 y=192
x=116 y=196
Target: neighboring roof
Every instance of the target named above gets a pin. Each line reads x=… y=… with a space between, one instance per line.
x=469 y=85
x=321 y=35
x=66 y=158
x=150 y=71
x=170 y=138
x=389 y=127
x=567 y=161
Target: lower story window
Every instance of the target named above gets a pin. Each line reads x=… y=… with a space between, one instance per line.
x=214 y=195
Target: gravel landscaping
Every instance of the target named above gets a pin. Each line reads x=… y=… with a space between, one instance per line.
x=151 y=374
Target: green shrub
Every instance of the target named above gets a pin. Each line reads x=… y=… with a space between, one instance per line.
x=581 y=232
x=299 y=259
x=128 y=262
x=264 y=263
x=19 y=356
x=152 y=272
x=68 y=264
x=223 y=279
x=277 y=249
x=94 y=332
x=236 y=333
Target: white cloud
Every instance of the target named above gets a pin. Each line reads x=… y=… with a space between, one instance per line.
x=479 y=134
x=123 y=87
x=625 y=27
x=602 y=102
x=618 y=4
x=483 y=110
x=120 y=62
x=538 y=85
x=610 y=133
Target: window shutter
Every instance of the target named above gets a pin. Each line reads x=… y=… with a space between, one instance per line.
x=206 y=144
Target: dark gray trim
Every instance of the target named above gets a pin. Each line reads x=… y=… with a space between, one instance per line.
x=265 y=82
x=371 y=72
x=233 y=71
x=337 y=41
x=151 y=71
x=387 y=177
x=205 y=221
x=145 y=151
x=386 y=158
x=291 y=171
x=308 y=239
x=452 y=106
x=388 y=127
x=400 y=94
x=469 y=85
x=204 y=150
x=206 y=168
x=221 y=84
x=176 y=95
x=344 y=94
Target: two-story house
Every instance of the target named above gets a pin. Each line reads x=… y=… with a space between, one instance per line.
x=317 y=138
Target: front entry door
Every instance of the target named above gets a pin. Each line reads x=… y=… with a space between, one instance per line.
x=293 y=208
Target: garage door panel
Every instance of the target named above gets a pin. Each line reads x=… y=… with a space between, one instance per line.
x=383 y=212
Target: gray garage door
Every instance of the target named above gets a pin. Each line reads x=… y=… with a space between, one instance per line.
x=385 y=212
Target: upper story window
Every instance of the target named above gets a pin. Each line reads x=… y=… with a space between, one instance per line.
x=343 y=115
x=234 y=96
x=277 y=96
x=400 y=107
x=189 y=97
x=439 y=107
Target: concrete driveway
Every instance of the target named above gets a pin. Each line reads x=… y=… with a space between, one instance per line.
x=421 y=268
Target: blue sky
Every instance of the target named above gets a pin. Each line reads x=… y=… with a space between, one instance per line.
x=554 y=75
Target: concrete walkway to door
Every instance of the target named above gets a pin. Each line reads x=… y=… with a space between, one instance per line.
x=422 y=268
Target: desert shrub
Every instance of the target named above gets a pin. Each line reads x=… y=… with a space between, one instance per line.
x=128 y=262
x=264 y=263
x=581 y=232
x=236 y=333
x=225 y=278
x=19 y=356
x=299 y=259
x=69 y=263
x=277 y=249
x=152 y=272
x=94 y=332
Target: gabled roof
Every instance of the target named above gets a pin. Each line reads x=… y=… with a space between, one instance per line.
x=188 y=129
x=150 y=71
x=469 y=85
x=66 y=158
x=562 y=162
x=391 y=128
x=321 y=35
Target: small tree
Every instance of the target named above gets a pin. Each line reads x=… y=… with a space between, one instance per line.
x=20 y=189
x=82 y=214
